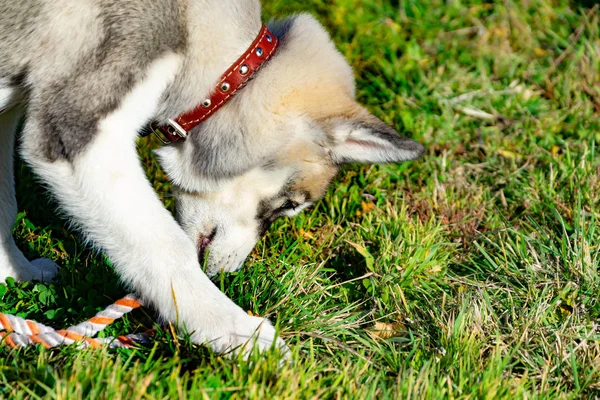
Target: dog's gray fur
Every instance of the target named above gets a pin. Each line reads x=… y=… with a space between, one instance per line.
x=129 y=38
x=91 y=74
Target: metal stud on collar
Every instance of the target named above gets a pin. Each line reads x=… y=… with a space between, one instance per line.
x=244 y=69
x=225 y=86
x=260 y=52
x=206 y=103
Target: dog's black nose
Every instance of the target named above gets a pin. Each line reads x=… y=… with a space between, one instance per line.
x=203 y=242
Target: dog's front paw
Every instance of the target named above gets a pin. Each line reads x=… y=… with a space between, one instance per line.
x=43 y=270
x=248 y=333
x=21 y=269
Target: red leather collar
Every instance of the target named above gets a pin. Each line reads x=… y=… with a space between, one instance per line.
x=234 y=79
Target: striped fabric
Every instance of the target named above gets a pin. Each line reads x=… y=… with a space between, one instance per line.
x=18 y=332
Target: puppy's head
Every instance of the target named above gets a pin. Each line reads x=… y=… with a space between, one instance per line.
x=275 y=148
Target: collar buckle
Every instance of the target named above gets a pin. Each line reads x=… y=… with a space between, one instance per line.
x=169 y=132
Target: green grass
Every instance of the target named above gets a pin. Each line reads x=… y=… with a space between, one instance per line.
x=481 y=259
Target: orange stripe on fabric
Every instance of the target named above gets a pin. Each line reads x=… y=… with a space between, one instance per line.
x=70 y=335
x=126 y=341
x=8 y=340
x=128 y=303
x=93 y=343
x=101 y=320
x=34 y=328
x=5 y=322
x=38 y=340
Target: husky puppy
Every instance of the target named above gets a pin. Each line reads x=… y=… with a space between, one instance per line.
x=88 y=75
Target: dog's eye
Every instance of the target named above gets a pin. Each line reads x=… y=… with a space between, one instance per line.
x=288 y=208
x=292 y=208
x=289 y=205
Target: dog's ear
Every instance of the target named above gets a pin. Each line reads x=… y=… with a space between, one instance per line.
x=366 y=139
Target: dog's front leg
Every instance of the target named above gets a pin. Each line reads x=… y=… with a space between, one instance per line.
x=12 y=261
x=105 y=189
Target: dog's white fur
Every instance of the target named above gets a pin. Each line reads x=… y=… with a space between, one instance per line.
x=115 y=205
x=7 y=95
